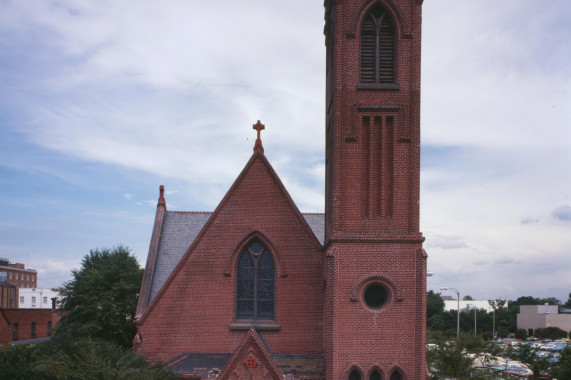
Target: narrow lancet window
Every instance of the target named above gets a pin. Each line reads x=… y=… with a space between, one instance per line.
x=255 y=284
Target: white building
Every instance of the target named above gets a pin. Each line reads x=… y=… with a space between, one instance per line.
x=452 y=304
x=36 y=298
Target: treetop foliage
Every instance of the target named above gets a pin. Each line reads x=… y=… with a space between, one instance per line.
x=101 y=299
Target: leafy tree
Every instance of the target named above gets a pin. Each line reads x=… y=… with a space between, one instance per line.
x=568 y=303
x=83 y=358
x=528 y=355
x=521 y=334
x=526 y=300
x=468 y=298
x=434 y=304
x=16 y=363
x=453 y=358
x=89 y=359
x=563 y=370
x=550 y=333
x=101 y=299
x=549 y=300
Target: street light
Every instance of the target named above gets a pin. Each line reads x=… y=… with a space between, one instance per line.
x=495 y=304
x=458 y=315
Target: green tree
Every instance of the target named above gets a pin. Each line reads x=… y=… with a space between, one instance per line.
x=453 y=358
x=101 y=299
x=528 y=355
x=549 y=300
x=434 y=304
x=16 y=363
x=468 y=298
x=526 y=300
x=568 y=303
x=563 y=370
x=89 y=359
x=550 y=332
x=521 y=334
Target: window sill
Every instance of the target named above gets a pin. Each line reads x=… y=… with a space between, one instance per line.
x=378 y=86
x=258 y=325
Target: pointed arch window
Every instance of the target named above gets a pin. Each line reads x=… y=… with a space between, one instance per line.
x=375 y=376
x=354 y=375
x=378 y=47
x=255 y=287
x=396 y=376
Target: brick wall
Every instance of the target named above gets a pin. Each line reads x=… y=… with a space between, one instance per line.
x=24 y=318
x=196 y=308
x=372 y=199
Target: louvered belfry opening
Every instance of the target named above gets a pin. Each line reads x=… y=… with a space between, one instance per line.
x=378 y=47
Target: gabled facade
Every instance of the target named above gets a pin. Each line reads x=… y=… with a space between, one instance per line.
x=256 y=289
x=255 y=262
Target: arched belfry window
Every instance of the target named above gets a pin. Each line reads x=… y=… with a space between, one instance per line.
x=255 y=284
x=377 y=47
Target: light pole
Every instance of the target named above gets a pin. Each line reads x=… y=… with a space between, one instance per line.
x=458 y=315
x=495 y=304
x=475 y=309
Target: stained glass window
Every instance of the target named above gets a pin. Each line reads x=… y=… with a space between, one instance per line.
x=255 y=285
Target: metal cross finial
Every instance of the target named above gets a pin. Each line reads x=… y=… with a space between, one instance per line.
x=258 y=145
x=259 y=127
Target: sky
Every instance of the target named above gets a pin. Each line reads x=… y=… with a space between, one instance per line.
x=103 y=101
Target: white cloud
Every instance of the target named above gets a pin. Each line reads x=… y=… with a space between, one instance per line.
x=562 y=213
x=160 y=90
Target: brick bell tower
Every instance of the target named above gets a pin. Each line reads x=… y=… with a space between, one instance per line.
x=375 y=265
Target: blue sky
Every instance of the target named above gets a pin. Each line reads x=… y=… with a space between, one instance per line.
x=102 y=102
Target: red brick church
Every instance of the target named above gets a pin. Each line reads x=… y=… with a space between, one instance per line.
x=257 y=289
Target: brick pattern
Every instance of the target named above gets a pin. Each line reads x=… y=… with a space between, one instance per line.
x=372 y=196
x=193 y=312
x=251 y=360
x=24 y=319
x=371 y=232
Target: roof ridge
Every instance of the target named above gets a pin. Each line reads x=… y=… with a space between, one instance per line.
x=190 y=212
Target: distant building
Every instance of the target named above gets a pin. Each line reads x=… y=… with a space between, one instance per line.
x=452 y=304
x=532 y=317
x=18 y=275
x=26 y=314
x=37 y=298
x=12 y=278
x=21 y=326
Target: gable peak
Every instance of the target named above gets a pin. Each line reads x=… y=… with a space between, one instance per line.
x=259 y=127
x=162 y=201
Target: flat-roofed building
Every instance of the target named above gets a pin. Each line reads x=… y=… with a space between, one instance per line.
x=532 y=317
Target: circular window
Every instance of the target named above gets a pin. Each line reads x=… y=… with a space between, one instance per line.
x=375 y=296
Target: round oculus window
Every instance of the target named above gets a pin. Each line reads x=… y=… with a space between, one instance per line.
x=375 y=296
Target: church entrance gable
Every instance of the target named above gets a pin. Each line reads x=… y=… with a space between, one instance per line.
x=251 y=360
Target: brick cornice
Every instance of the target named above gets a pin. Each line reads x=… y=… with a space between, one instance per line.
x=417 y=239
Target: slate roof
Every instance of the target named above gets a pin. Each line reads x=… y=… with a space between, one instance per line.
x=181 y=228
x=206 y=365
x=209 y=365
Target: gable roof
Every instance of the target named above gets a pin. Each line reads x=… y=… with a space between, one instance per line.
x=214 y=365
x=179 y=231
x=175 y=233
x=255 y=349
